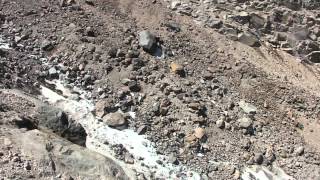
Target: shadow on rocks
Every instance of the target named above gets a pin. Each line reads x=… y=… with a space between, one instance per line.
x=57 y=121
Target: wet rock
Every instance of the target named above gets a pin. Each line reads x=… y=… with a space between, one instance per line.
x=248 y=39
x=247 y=108
x=115 y=120
x=147 y=40
x=245 y=123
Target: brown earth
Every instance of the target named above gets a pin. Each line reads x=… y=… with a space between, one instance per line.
x=284 y=90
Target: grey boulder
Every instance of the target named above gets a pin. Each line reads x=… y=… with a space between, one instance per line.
x=147 y=40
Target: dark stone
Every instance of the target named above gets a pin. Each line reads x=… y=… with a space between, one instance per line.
x=142 y=129
x=89 y=2
x=214 y=23
x=134 y=86
x=314 y=57
x=173 y=27
x=258 y=158
x=47 y=45
x=113 y=52
x=57 y=121
x=2 y=53
x=136 y=63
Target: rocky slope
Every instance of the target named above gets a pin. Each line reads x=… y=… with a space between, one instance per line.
x=218 y=89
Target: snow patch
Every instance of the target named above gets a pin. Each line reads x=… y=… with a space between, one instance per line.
x=263 y=173
x=4 y=44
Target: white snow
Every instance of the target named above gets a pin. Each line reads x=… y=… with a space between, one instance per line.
x=263 y=173
x=3 y=44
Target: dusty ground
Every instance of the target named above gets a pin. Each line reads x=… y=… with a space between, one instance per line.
x=219 y=73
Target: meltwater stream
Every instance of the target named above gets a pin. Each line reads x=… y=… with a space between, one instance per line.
x=141 y=148
x=98 y=133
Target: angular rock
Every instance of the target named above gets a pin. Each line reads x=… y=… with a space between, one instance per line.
x=57 y=121
x=258 y=158
x=134 y=86
x=2 y=53
x=177 y=68
x=214 y=23
x=115 y=120
x=257 y=21
x=175 y=4
x=147 y=40
x=248 y=39
x=199 y=133
x=142 y=129
x=247 y=108
x=46 y=45
x=299 y=151
x=100 y=108
x=220 y=124
x=67 y=157
x=245 y=122
x=242 y=17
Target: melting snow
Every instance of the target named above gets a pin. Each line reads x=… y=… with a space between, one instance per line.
x=99 y=133
x=3 y=44
x=263 y=173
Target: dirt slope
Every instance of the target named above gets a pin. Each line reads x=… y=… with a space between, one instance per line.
x=254 y=105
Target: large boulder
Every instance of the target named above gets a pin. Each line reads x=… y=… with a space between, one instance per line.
x=57 y=121
x=248 y=39
x=62 y=157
